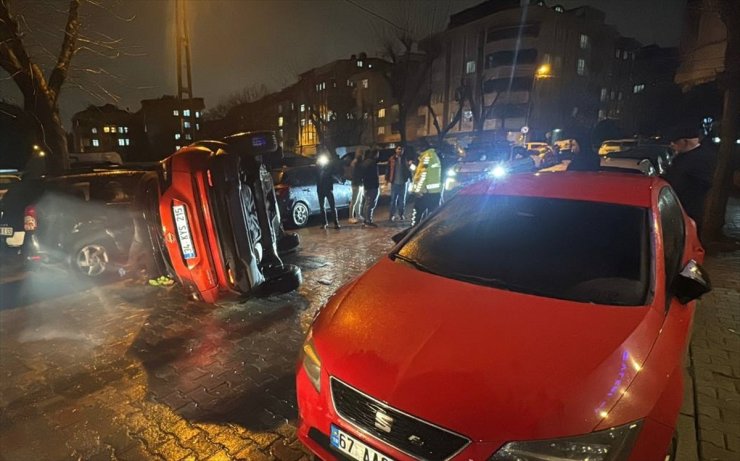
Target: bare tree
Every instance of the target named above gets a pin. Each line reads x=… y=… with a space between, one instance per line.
x=40 y=95
x=729 y=80
x=342 y=126
x=248 y=94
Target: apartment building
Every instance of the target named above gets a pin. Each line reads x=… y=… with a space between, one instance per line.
x=523 y=69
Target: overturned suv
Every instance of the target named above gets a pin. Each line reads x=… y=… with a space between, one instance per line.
x=221 y=221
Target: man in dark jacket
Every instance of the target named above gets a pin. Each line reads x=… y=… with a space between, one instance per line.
x=398 y=176
x=371 y=184
x=692 y=171
x=327 y=166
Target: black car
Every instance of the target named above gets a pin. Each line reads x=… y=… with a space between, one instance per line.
x=297 y=196
x=660 y=156
x=83 y=219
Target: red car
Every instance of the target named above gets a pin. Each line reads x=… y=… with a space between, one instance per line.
x=538 y=317
x=221 y=220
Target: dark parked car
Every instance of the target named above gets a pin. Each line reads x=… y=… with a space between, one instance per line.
x=297 y=197
x=83 y=219
x=660 y=156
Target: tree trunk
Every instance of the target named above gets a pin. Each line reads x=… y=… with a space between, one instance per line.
x=716 y=205
x=53 y=139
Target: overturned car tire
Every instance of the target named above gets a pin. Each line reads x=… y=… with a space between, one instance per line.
x=282 y=280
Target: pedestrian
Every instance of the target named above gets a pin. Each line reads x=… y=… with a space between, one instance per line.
x=584 y=156
x=427 y=183
x=692 y=172
x=398 y=176
x=327 y=170
x=371 y=186
x=355 y=177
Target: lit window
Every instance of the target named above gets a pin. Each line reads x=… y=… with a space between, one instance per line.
x=602 y=114
x=197 y=114
x=188 y=136
x=120 y=129
x=197 y=127
x=125 y=129
x=303 y=108
x=381 y=130
x=94 y=131
x=470 y=67
x=559 y=9
x=186 y=124
x=176 y=113
x=177 y=135
x=619 y=96
x=280 y=121
x=603 y=94
x=625 y=55
x=106 y=129
x=618 y=54
x=581 y=69
x=360 y=63
x=364 y=83
x=177 y=147
x=121 y=142
x=638 y=88
x=381 y=113
x=349 y=83
x=128 y=141
x=96 y=143
x=584 y=41
x=303 y=122
x=613 y=95
x=186 y=113
x=280 y=108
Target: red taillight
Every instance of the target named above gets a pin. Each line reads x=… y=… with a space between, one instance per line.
x=281 y=190
x=29 y=219
x=210 y=179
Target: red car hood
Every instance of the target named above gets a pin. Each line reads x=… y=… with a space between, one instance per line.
x=490 y=364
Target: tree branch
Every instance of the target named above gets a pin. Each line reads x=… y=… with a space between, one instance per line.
x=71 y=32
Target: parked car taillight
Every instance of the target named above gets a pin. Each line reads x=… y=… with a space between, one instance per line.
x=29 y=219
x=282 y=190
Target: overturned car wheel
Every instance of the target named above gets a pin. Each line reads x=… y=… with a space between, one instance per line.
x=281 y=280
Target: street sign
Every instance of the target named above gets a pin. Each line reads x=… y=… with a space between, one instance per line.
x=525 y=130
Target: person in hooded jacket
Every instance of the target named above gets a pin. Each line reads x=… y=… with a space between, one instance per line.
x=327 y=166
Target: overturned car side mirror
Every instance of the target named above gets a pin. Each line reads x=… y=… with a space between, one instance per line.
x=399 y=236
x=691 y=283
x=647 y=168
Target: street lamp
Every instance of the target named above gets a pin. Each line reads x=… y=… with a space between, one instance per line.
x=542 y=72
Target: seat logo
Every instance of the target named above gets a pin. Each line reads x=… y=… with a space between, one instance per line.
x=383 y=421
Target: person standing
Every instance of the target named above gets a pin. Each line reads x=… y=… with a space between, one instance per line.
x=355 y=177
x=584 y=156
x=692 y=171
x=371 y=186
x=398 y=176
x=326 y=166
x=427 y=183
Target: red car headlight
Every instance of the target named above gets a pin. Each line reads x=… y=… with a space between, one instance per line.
x=613 y=444
x=311 y=362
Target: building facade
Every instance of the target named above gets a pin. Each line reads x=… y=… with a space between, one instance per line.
x=170 y=124
x=107 y=129
x=522 y=70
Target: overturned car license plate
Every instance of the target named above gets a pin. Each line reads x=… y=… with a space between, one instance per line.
x=354 y=448
x=183 y=232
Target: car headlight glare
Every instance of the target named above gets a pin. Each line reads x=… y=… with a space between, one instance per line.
x=312 y=363
x=451 y=173
x=613 y=444
x=498 y=171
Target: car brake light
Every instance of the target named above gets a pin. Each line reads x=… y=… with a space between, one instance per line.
x=210 y=180
x=282 y=190
x=29 y=219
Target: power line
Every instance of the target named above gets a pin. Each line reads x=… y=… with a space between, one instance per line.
x=382 y=18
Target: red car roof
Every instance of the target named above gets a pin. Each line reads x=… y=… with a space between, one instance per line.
x=623 y=189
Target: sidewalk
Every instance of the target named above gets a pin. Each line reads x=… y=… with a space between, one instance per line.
x=712 y=404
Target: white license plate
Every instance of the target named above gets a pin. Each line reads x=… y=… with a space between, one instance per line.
x=352 y=447
x=183 y=232
x=6 y=231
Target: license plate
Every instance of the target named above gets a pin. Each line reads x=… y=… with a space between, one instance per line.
x=354 y=448
x=183 y=232
x=6 y=231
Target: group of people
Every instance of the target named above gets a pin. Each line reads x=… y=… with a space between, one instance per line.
x=363 y=172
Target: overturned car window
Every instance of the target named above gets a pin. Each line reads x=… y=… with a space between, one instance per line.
x=567 y=249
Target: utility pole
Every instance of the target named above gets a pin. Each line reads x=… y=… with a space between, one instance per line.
x=183 y=51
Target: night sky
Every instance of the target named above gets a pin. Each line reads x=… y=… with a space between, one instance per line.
x=240 y=43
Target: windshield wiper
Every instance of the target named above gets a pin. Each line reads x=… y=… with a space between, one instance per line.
x=498 y=283
x=414 y=263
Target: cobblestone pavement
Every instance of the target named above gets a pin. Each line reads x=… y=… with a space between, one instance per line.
x=132 y=372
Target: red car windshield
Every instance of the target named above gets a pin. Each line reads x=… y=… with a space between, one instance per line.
x=566 y=249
